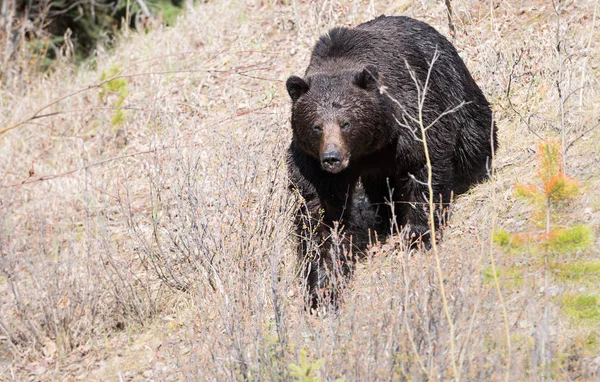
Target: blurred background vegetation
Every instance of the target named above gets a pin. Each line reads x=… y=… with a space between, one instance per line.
x=35 y=34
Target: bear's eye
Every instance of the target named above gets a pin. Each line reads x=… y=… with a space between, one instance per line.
x=317 y=128
x=346 y=126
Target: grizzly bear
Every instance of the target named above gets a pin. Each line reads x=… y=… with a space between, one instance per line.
x=357 y=114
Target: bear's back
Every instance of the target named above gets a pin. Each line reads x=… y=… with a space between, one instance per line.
x=341 y=49
x=377 y=41
x=390 y=43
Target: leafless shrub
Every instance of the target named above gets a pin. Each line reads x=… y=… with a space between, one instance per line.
x=54 y=304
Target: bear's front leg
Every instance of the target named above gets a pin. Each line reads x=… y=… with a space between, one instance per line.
x=414 y=202
x=326 y=250
x=323 y=221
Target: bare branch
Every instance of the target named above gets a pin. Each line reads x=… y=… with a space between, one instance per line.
x=580 y=136
x=450 y=111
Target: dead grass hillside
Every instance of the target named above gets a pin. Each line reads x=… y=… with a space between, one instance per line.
x=145 y=226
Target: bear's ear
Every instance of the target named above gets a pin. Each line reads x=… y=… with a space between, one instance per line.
x=367 y=78
x=296 y=86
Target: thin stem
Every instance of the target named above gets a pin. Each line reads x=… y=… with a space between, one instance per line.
x=494 y=273
x=432 y=218
x=561 y=99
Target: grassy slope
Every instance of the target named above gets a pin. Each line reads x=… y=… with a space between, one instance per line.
x=166 y=253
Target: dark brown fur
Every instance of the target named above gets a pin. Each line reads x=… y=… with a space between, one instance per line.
x=345 y=129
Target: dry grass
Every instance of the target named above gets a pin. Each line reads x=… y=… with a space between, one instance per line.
x=160 y=248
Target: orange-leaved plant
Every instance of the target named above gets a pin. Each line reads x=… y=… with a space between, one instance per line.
x=556 y=190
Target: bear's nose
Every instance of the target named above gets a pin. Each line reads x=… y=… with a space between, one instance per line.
x=331 y=157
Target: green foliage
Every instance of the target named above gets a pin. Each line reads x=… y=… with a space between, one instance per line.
x=511 y=277
x=502 y=238
x=118 y=117
x=169 y=10
x=528 y=192
x=568 y=240
x=117 y=86
x=578 y=271
x=561 y=188
x=591 y=341
x=514 y=277
x=305 y=370
x=547 y=239
x=550 y=160
x=90 y=22
x=584 y=307
x=505 y=240
x=488 y=275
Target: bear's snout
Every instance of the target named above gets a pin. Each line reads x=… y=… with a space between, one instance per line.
x=332 y=159
x=332 y=156
x=333 y=153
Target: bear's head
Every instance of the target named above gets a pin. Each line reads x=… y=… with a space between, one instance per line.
x=337 y=117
